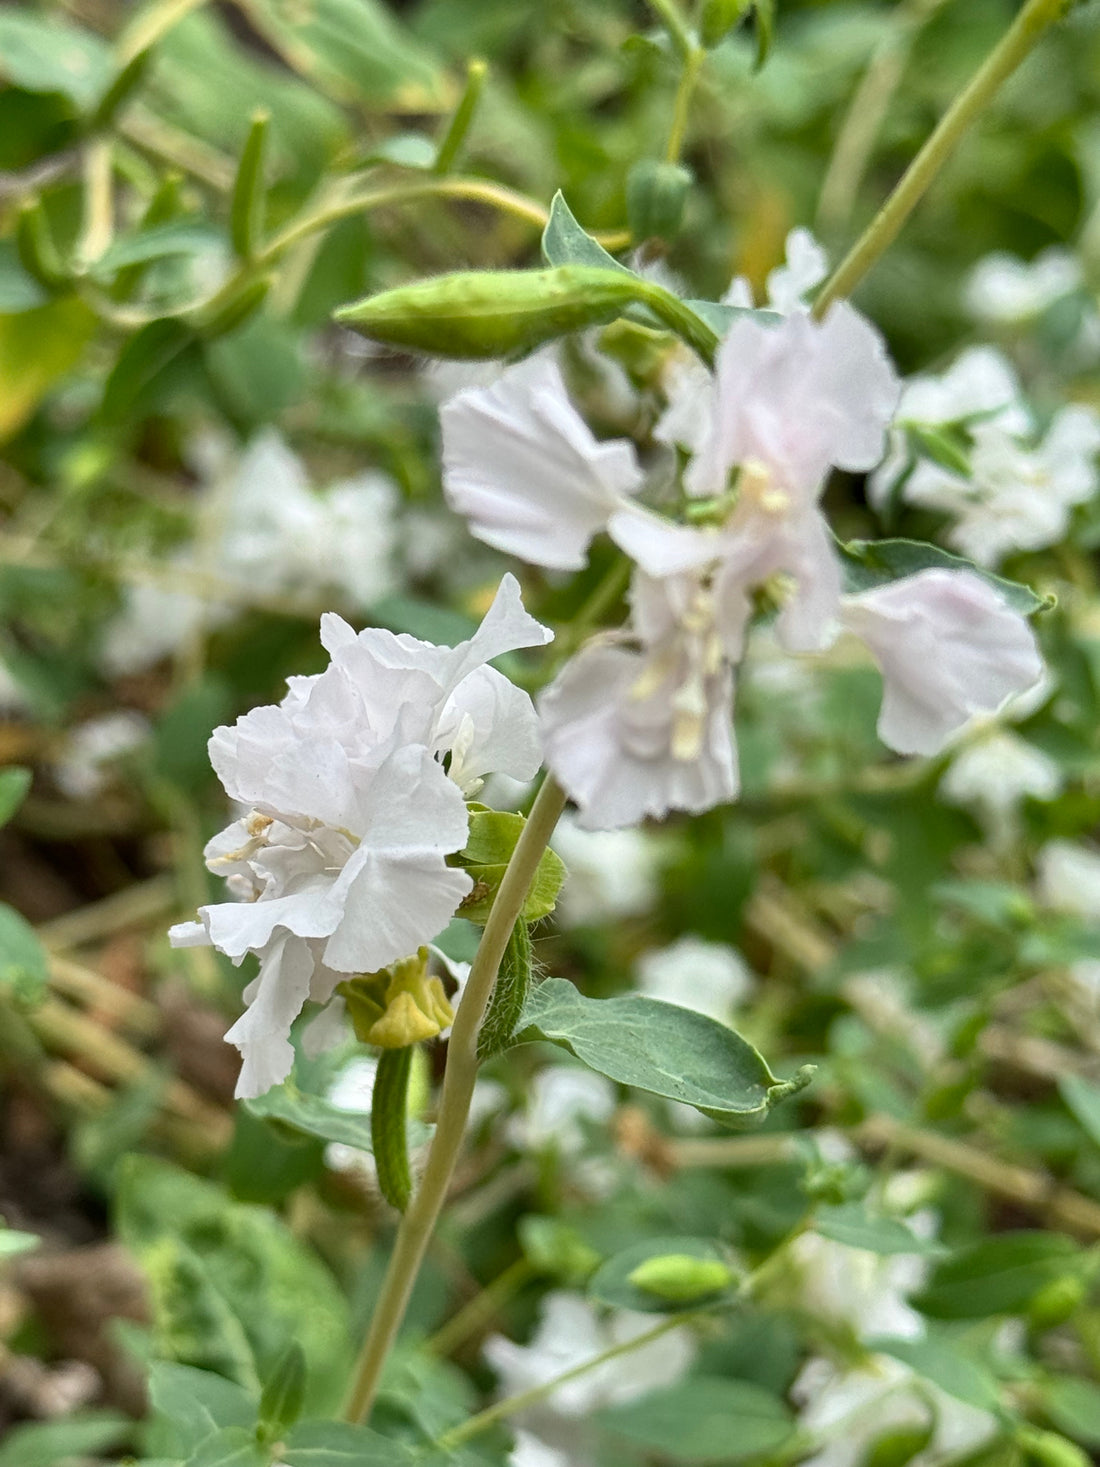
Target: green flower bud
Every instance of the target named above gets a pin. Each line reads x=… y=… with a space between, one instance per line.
x=719 y=18
x=681 y=1277
x=492 y=313
x=655 y=196
x=1055 y=1303
x=896 y=1448
x=1048 y=1449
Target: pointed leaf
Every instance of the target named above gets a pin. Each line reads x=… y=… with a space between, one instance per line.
x=616 y=1283
x=703 y=1419
x=661 y=1048
x=869 y=563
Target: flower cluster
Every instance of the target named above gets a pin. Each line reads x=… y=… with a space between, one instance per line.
x=965 y=446
x=639 y=722
x=354 y=790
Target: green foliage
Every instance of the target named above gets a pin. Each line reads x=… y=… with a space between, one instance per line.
x=999 y=1275
x=694 y=1421
x=661 y=1048
x=664 y=1275
x=492 y=839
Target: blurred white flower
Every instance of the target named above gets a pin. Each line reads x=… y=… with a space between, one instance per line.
x=848 y=1410
x=13 y=700
x=994 y=774
x=340 y=866
x=352 y=1091
x=708 y=977
x=153 y=622
x=529 y=1451
x=865 y=1291
x=1002 y=289
x=949 y=647
x=83 y=766
x=571 y=1331
x=560 y=1100
x=610 y=873
x=1069 y=879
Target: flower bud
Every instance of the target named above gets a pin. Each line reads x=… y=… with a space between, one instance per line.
x=492 y=313
x=655 y=196
x=1057 y=1302
x=1048 y=1449
x=680 y=1277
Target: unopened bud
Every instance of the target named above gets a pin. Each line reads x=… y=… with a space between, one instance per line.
x=1055 y=1303
x=680 y=1277
x=655 y=196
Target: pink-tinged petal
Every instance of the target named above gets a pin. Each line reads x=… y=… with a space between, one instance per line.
x=611 y=749
x=661 y=547
x=950 y=648
x=526 y=471
x=262 y=1033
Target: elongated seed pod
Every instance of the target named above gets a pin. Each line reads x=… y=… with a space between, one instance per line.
x=509 y=994
x=388 y=1129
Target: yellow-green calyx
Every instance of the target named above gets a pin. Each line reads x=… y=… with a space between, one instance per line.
x=399 y=1005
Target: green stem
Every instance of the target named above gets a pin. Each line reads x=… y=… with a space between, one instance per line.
x=680 y=318
x=681 y=108
x=459 y=126
x=419 y=1221
x=480 y=1310
x=511 y=1405
x=668 y=12
x=1036 y=17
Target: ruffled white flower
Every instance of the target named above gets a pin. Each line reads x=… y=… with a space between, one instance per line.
x=950 y=649
x=340 y=866
x=525 y=469
x=708 y=977
x=848 y=1410
x=636 y=731
x=153 y=622
x=1004 y=290
x=571 y=1331
x=1069 y=879
x=529 y=1451
x=609 y=873
x=83 y=768
x=994 y=774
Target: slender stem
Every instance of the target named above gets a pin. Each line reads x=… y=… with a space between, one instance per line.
x=454 y=1103
x=1036 y=17
x=481 y=1308
x=679 y=33
x=462 y=117
x=513 y=1404
x=98 y=225
x=681 y=108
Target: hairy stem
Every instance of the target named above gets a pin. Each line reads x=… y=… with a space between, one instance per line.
x=1036 y=17
x=454 y=1103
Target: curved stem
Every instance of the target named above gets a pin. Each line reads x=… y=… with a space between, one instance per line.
x=520 y=1402
x=454 y=1103
x=1036 y=17
x=681 y=108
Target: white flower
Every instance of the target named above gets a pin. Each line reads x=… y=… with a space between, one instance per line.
x=571 y=1331
x=865 y=1291
x=152 y=623
x=1069 y=879
x=995 y=773
x=610 y=873
x=524 y=468
x=949 y=648
x=340 y=867
x=806 y=265
x=1006 y=290
x=559 y=1100
x=848 y=1410
x=83 y=769
x=530 y=1452
x=708 y=977
x=635 y=732
x=279 y=535
x=13 y=700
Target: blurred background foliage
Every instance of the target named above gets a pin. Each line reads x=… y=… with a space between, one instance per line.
x=194 y=462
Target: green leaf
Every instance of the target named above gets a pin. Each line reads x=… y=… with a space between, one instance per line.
x=234 y=1446
x=38 y=347
x=1073 y=1405
x=314 y=1116
x=870 y=563
x=612 y=1282
x=661 y=1048
x=57 y=1443
x=13 y=1242
x=337 y=1444
x=999 y=1275
x=158 y=243
x=284 y=1392
x=853 y=1225
x=19 y=291
x=703 y=1419
x=195 y=1404
x=24 y=967
x=1083 y=1099
x=39 y=54
x=948 y=1366
x=492 y=839
x=564 y=242
x=552 y=1247
x=14 y=784
x=247 y=205
x=152 y=367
